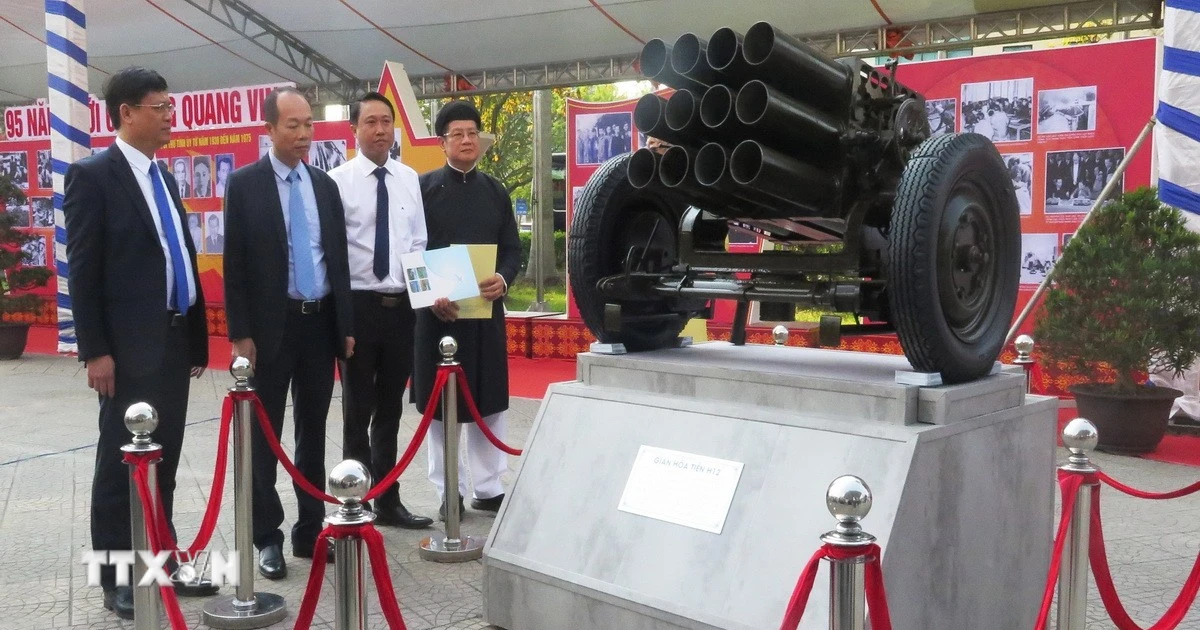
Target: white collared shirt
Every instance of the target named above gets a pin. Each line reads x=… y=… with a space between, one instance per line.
x=140 y=165
x=406 y=220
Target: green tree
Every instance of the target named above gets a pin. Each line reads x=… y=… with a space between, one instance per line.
x=509 y=117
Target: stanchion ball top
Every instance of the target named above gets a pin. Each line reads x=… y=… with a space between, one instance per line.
x=141 y=418
x=1023 y=344
x=848 y=498
x=1080 y=436
x=240 y=369
x=349 y=481
x=780 y=335
x=448 y=347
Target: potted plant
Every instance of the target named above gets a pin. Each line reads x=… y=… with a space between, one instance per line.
x=15 y=276
x=1126 y=295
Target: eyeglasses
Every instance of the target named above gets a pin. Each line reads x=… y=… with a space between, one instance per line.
x=459 y=136
x=159 y=108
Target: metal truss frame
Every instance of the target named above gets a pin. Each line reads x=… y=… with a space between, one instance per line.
x=338 y=83
x=332 y=83
x=1091 y=17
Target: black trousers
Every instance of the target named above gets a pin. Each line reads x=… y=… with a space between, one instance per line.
x=373 y=382
x=304 y=363
x=165 y=387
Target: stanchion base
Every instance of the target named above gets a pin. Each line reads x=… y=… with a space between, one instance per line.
x=222 y=613
x=469 y=548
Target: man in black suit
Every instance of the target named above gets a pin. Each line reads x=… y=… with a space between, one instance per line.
x=287 y=304
x=136 y=296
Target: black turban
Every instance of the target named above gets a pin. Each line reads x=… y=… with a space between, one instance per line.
x=455 y=110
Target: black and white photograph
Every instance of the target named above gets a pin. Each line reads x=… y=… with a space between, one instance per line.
x=1067 y=110
x=1066 y=238
x=35 y=252
x=1074 y=179
x=181 y=169
x=43 y=211
x=163 y=167
x=1038 y=255
x=602 y=136
x=943 y=115
x=214 y=233
x=221 y=178
x=395 y=151
x=45 y=173
x=1020 y=171
x=264 y=145
x=19 y=212
x=1000 y=110
x=327 y=154
x=15 y=165
x=201 y=176
x=196 y=229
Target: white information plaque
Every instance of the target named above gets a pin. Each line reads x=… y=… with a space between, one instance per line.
x=690 y=490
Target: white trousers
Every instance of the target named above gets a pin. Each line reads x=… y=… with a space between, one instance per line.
x=482 y=463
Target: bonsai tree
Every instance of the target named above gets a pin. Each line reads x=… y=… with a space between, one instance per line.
x=1126 y=293
x=14 y=274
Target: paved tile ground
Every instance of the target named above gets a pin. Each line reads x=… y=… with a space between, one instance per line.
x=46 y=456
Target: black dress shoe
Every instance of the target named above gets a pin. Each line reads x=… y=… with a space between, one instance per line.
x=462 y=510
x=202 y=587
x=271 y=563
x=120 y=601
x=306 y=551
x=488 y=505
x=399 y=516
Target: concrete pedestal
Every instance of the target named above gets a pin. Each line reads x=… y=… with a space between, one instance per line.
x=963 y=480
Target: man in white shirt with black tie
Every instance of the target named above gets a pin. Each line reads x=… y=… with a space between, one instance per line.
x=384 y=219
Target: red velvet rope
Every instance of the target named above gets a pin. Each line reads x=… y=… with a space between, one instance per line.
x=474 y=411
x=1142 y=494
x=1069 y=484
x=141 y=479
x=379 y=570
x=209 y=524
x=877 y=608
x=409 y=453
x=1108 y=592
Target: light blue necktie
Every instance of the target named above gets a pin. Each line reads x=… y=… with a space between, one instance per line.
x=302 y=256
x=180 y=299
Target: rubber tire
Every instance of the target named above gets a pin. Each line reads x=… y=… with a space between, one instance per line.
x=940 y=167
x=607 y=201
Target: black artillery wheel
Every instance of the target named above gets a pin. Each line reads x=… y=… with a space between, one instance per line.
x=954 y=249
x=614 y=226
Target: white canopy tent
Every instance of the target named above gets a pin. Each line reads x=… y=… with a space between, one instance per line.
x=202 y=44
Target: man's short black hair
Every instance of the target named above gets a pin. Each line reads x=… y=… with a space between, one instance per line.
x=128 y=87
x=455 y=110
x=270 y=110
x=356 y=107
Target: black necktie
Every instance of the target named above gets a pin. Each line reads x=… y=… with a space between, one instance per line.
x=381 y=225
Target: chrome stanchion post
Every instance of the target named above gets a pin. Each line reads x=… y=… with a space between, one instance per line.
x=849 y=501
x=1079 y=436
x=780 y=335
x=1024 y=348
x=141 y=419
x=245 y=608
x=349 y=482
x=454 y=547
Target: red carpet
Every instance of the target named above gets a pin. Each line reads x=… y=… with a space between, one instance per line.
x=529 y=378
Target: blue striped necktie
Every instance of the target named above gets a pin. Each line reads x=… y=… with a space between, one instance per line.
x=301 y=243
x=180 y=298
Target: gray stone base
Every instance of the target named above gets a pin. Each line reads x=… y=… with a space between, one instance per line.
x=962 y=478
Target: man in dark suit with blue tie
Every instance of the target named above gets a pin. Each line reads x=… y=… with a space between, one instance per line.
x=136 y=297
x=287 y=302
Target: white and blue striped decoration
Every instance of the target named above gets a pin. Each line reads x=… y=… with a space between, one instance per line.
x=70 y=130
x=1178 y=141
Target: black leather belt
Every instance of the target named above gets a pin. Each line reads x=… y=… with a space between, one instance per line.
x=390 y=300
x=176 y=320
x=307 y=307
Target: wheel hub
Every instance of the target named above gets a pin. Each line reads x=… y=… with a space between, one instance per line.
x=966 y=269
